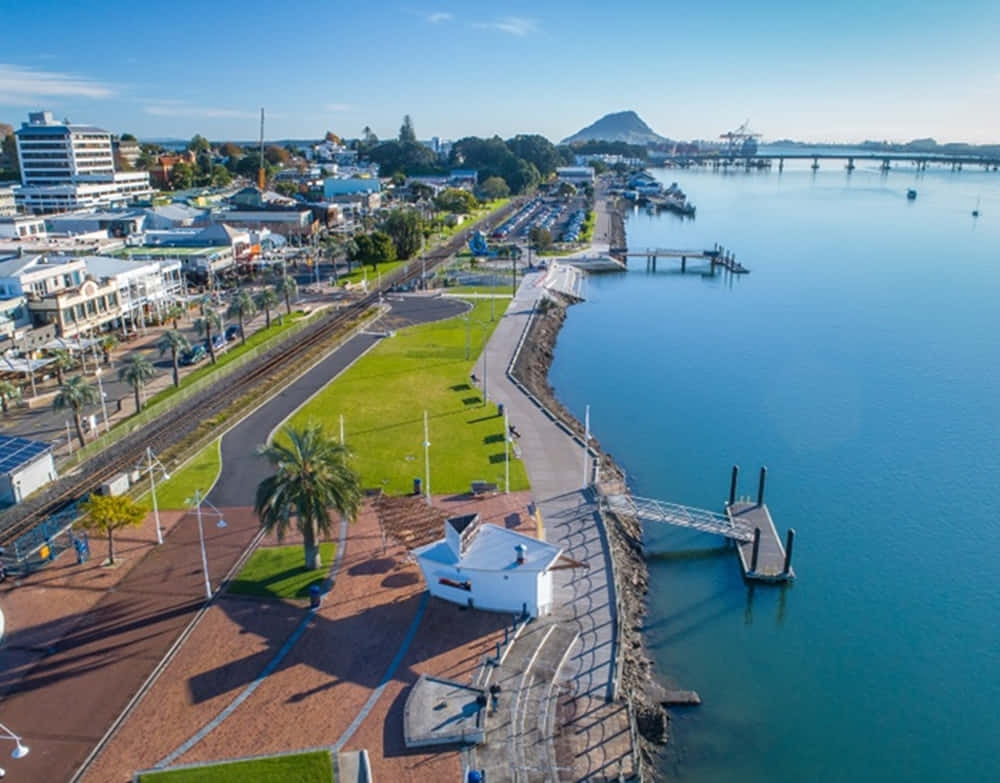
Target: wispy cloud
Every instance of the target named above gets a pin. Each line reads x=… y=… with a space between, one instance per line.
x=20 y=85
x=512 y=25
x=172 y=108
x=440 y=16
x=339 y=107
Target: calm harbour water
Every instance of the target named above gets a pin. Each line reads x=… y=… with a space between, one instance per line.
x=860 y=361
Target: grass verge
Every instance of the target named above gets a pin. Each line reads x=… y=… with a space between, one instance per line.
x=383 y=398
x=198 y=473
x=312 y=767
x=280 y=572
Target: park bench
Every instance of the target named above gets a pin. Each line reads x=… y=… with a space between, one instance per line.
x=481 y=489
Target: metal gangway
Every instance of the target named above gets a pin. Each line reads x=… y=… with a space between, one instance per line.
x=651 y=510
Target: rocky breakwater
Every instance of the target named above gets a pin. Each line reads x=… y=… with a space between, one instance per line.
x=637 y=683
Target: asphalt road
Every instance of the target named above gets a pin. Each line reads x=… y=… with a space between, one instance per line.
x=63 y=704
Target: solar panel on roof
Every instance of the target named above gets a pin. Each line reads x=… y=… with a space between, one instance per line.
x=15 y=452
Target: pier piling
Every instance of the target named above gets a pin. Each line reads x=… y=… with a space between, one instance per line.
x=789 y=541
x=756 y=549
x=760 y=485
x=732 y=484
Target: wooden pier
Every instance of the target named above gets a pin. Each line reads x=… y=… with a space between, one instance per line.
x=718 y=256
x=747 y=524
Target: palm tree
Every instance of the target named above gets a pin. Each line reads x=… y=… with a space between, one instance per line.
x=242 y=306
x=312 y=477
x=266 y=299
x=62 y=361
x=174 y=313
x=286 y=287
x=136 y=371
x=75 y=394
x=173 y=340
x=108 y=343
x=208 y=323
x=8 y=393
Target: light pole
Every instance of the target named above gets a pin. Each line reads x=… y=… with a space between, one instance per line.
x=104 y=404
x=586 y=446
x=196 y=501
x=69 y=439
x=152 y=459
x=506 y=451
x=427 y=458
x=20 y=750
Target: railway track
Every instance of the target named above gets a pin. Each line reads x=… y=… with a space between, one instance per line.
x=178 y=422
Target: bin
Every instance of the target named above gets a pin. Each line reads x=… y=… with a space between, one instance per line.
x=314 y=596
x=416 y=486
x=499 y=409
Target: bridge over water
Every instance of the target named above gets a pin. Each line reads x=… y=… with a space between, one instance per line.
x=886 y=159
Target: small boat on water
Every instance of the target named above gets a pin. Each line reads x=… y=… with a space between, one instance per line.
x=911 y=194
x=975 y=212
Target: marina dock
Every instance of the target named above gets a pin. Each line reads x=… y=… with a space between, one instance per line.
x=747 y=524
x=717 y=256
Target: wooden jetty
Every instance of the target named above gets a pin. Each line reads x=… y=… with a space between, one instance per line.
x=717 y=256
x=747 y=524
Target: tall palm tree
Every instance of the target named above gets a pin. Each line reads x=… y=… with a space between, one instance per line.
x=173 y=340
x=62 y=362
x=75 y=394
x=136 y=371
x=174 y=313
x=108 y=343
x=287 y=288
x=8 y=393
x=266 y=299
x=206 y=325
x=242 y=307
x=311 y=477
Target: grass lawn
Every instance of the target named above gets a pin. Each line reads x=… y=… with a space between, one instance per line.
x=198 y=473
x=279 y=572
x=359 y=274
x=383 y=398
x=314 y=767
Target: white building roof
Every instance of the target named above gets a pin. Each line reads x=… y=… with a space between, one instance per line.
x=493 y=548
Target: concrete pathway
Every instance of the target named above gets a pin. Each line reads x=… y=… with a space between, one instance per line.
x=554 y=460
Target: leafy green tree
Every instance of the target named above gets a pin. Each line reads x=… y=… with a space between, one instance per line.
x=537 y=150
x=136 y=371
x=174 y=313
x=312 y=477
x=374 y=248
x=287 y=189
x=287 y=288
x=540 y=237
x=62 y=362
x=199 y=143
x=10 y=151
x=494 y=188
x=207 y=325
x=8 y=394
x=266 y=299
x=456 y=200
x=182 y=175
x=242 y=306
x=406 y=132
x=128 y=137
x=221 y=176
x=405 y=229
x=274 y=154
x=74 y=395
x=174 y=341
x=108 y=343
x=108 y=513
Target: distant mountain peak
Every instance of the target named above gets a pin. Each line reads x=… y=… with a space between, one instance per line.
x=624 y=126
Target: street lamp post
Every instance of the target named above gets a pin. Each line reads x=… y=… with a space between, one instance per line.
x=104 y=404
x=196 y=502
x=506 y=451
x=152 y=459
x=427 y=458
x=20 y=749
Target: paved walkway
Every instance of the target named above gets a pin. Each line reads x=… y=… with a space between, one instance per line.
x=554 y=461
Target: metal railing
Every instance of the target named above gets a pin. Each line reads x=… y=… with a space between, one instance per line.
x=651 y=510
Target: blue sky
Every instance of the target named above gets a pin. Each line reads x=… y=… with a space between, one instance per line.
x=840 y=71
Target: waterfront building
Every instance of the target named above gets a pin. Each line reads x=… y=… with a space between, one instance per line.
x=22 y=227
x=575 y=175
x=66 y=167
x=489 y=567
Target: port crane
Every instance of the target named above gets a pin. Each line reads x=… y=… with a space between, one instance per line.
x=741 y=141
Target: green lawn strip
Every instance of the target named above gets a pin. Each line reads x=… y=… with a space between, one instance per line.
x=383 y=397
x=314 y=767
x=198 y=473
x=233 y=353
x=499 y=290
x=279 y=572
x=372 y=275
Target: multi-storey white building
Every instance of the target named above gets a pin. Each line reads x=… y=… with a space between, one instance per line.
x=7 y=206
x=67 y=166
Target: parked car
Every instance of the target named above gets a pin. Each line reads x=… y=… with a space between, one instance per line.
x=193 y=355
x=217 y=340
x=232 y=332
